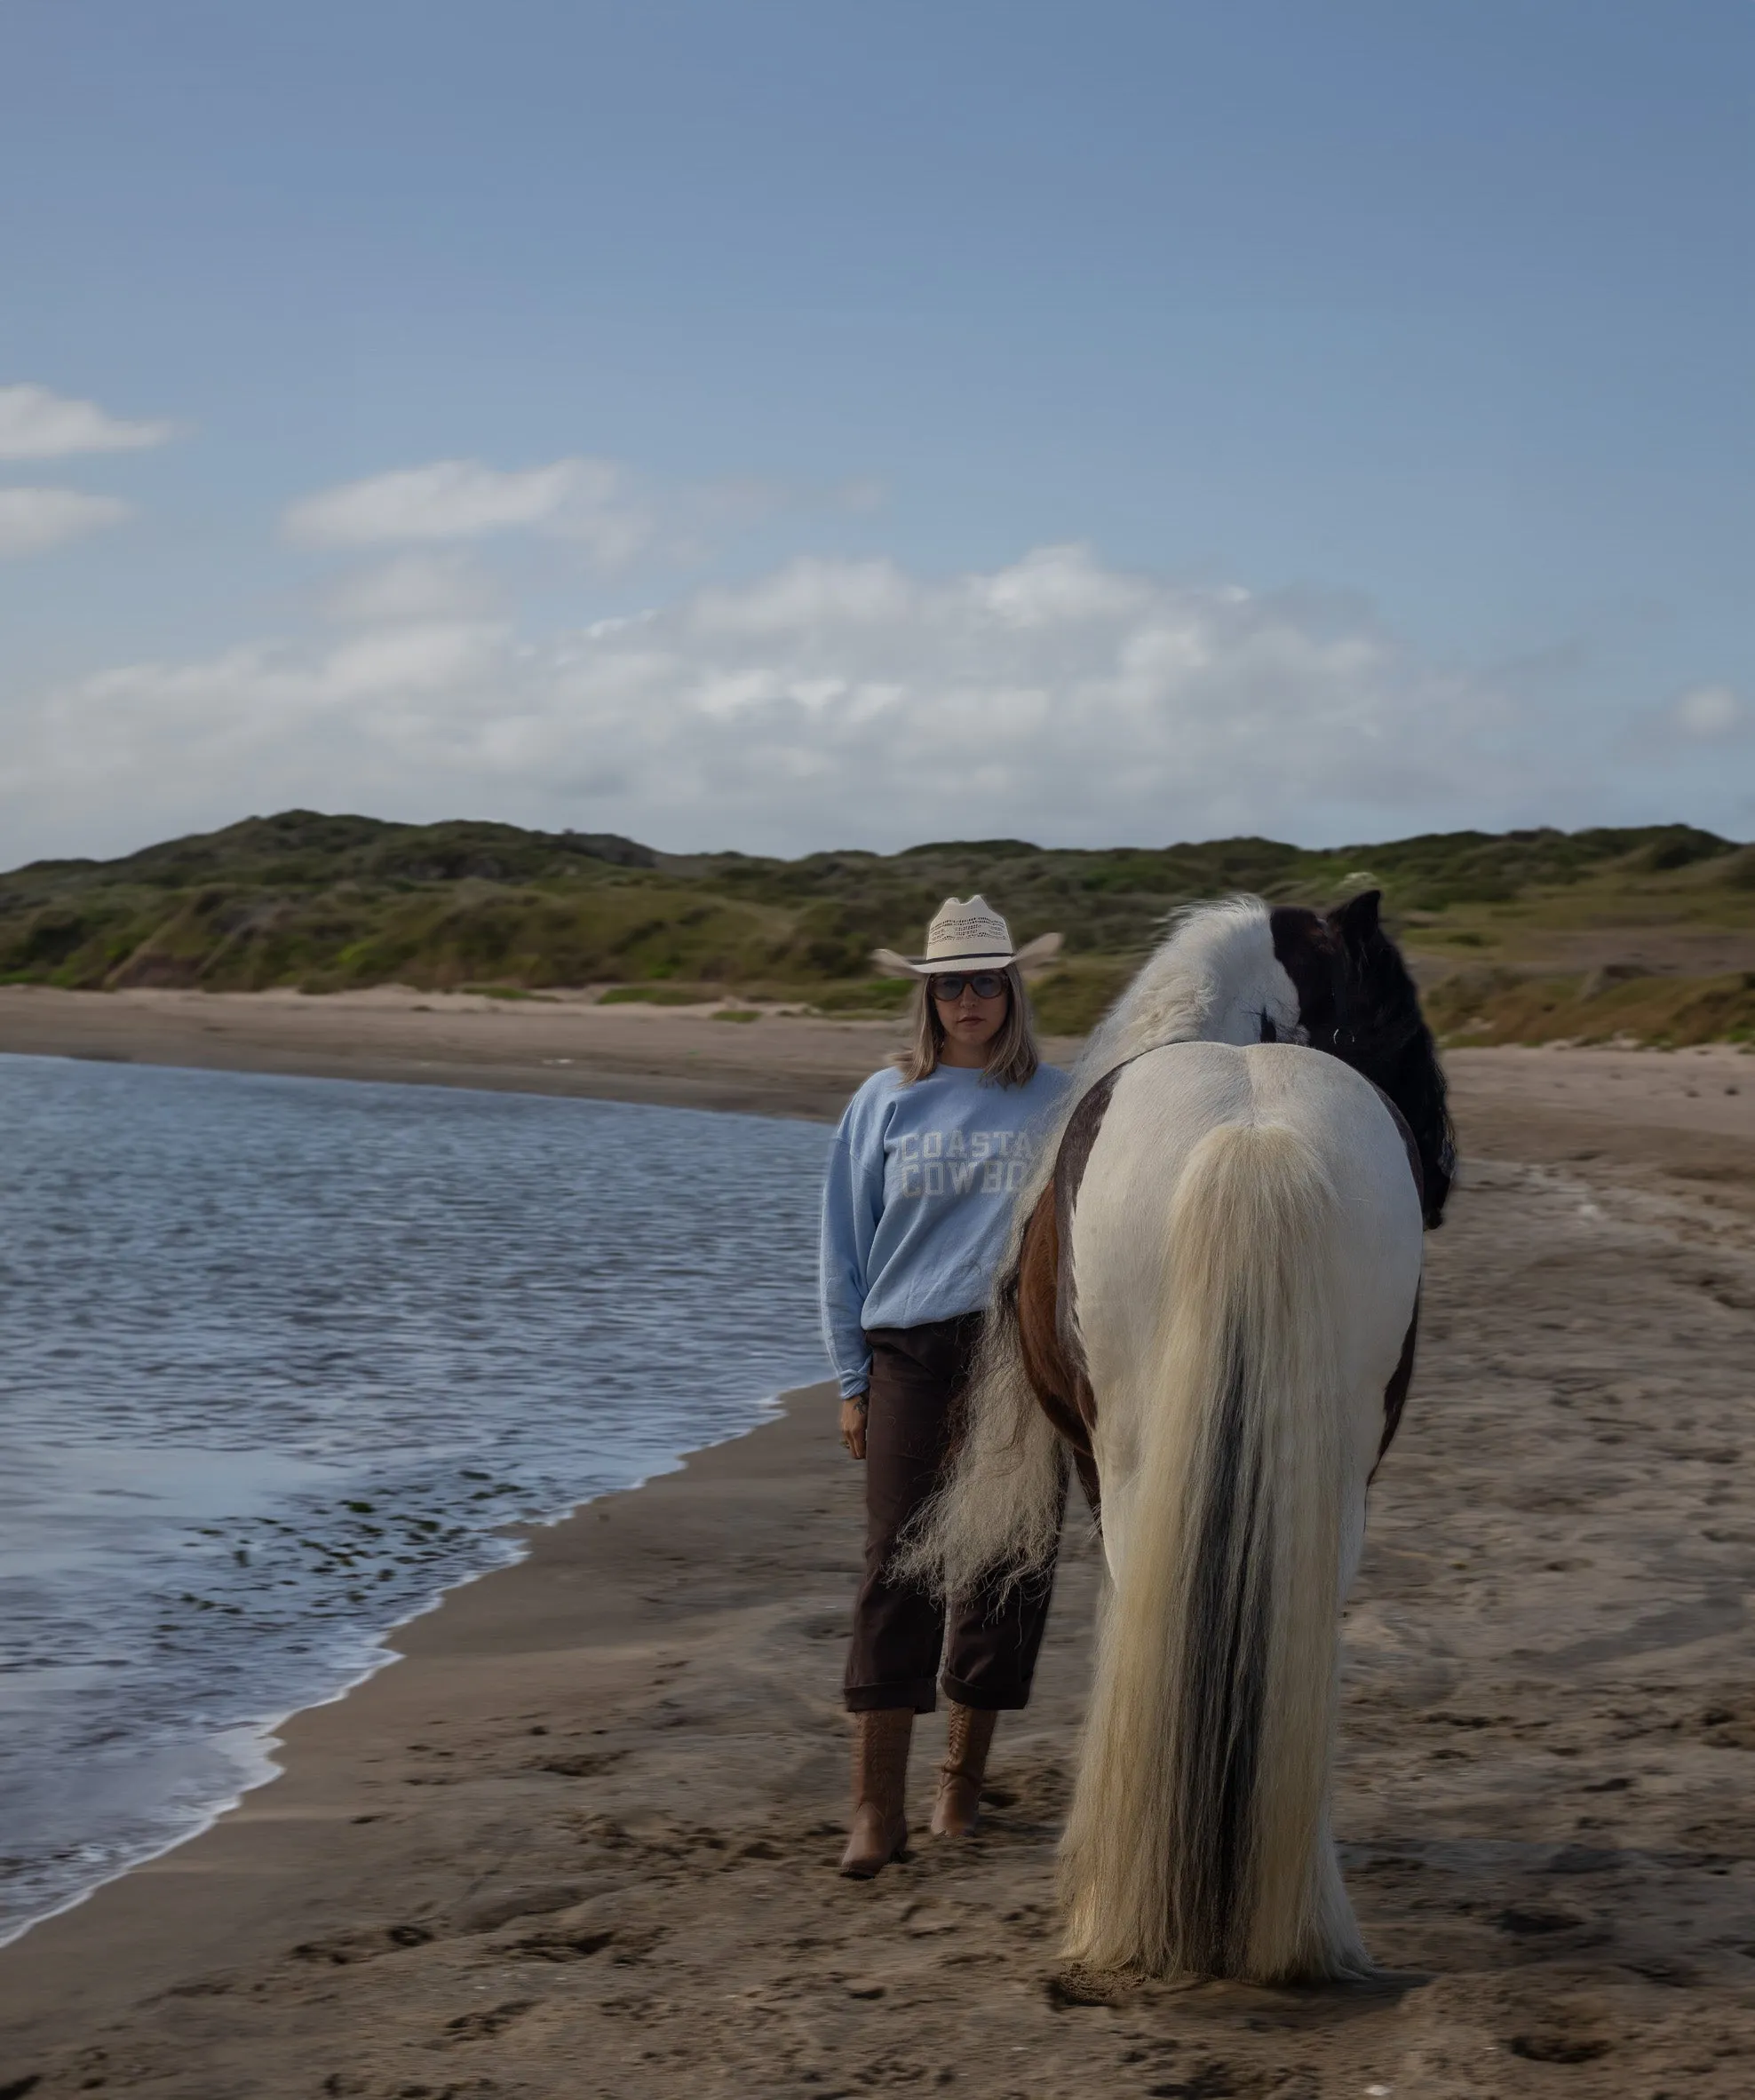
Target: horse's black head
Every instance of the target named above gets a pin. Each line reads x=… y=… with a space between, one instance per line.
x=1357 y=1002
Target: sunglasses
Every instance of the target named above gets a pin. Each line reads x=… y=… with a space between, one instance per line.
x=985 y=984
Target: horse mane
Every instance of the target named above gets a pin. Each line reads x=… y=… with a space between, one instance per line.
x=1217 y=963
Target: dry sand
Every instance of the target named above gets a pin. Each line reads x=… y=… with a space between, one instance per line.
x=581 y=1841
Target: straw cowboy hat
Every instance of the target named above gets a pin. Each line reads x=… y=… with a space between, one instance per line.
x=970 y=935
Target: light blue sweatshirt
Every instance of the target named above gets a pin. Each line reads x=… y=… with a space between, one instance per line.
x=920 y=1195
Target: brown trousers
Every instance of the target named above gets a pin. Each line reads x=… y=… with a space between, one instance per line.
x=899 y=1632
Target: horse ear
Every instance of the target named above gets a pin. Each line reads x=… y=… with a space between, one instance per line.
x=1356 y=921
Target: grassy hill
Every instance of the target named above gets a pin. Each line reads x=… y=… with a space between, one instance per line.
x=1519 y=935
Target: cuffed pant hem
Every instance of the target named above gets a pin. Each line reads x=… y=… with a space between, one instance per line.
x=984 y=1698
x=920 y=1696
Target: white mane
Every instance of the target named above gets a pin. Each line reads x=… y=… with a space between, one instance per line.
x=1213 y=980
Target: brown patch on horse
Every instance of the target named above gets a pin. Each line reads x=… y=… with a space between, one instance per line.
x=1062 y=1390
x=1076 y=1145
x=1045 y=1297
x=1053 y=1378
x=1395 y=1393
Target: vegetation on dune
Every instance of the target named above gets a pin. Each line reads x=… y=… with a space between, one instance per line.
x=1601 y=1006
x=330 y=903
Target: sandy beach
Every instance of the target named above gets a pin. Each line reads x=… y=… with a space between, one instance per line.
x=581 y=1840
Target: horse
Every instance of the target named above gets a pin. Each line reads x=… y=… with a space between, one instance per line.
x=1210 y=1306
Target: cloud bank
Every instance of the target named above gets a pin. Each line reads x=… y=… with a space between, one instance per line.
x=830 y=702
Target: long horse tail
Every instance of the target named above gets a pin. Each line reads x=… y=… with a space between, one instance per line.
x=1199 y=1840
x=997 y=1519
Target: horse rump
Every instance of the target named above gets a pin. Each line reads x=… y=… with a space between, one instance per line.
x=1199 y=1839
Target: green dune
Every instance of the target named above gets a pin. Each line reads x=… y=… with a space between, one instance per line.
x=1642 y=934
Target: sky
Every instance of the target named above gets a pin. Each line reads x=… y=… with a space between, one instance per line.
x=781 y=426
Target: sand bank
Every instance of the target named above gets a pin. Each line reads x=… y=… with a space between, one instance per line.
x=580 y=1841
x=683 y=1058
x=777 y=1064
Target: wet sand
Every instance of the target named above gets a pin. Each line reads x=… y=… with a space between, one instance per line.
x=581 y=1841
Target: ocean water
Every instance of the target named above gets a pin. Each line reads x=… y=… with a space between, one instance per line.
x=282 y=1359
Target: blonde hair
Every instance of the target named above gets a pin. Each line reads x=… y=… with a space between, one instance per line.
x=1012 y=1056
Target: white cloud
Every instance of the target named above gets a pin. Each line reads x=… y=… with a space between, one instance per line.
x=32 y=519
x=1709 y=714
x=831 y=702
x=585 y=500
x=613 y=515
x=37 y=424
x=806 y=594
x=412 y=587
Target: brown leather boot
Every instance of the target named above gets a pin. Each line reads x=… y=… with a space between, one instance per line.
x=881 y=1791
x=958 y=1807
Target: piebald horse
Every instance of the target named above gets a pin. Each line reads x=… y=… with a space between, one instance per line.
x=1209 y=1305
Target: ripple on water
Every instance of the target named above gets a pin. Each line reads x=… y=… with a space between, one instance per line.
x=279 y=1359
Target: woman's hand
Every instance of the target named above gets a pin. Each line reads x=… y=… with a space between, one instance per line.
x=853 y=1424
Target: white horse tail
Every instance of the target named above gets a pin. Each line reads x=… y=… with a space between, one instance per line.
x=1210 y=1850
x=997 y=1516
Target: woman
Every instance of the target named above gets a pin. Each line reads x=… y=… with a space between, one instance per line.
x=922 y=1178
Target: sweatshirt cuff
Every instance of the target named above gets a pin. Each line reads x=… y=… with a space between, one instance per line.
x=855 y=1383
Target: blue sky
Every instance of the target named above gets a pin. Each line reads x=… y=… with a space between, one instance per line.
x=787 y=425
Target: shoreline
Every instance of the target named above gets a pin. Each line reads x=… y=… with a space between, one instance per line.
x=52 y=1973
x=278 y=1738
x=269 y=1734
x=785 y=1065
